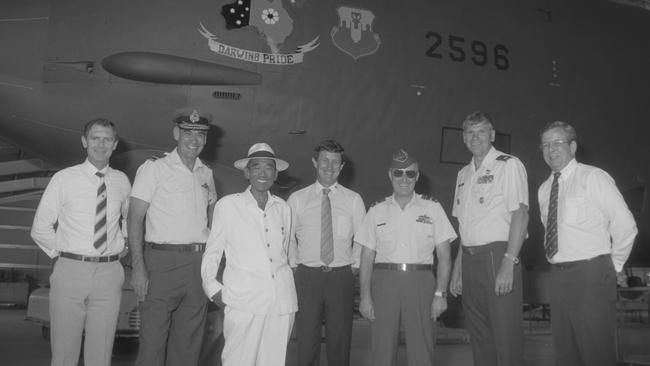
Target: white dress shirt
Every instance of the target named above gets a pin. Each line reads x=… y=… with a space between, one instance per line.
x=486 y=197
x=70 y=200
x=257 y=278
x=405 y=236
x=592 y=217
x=178 y=199
x=348 y=211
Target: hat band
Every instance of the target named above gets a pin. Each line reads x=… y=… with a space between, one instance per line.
x=261 y=154
x=193 y=126
x=186 y=119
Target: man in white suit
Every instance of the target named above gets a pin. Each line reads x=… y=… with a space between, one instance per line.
x=252 y=229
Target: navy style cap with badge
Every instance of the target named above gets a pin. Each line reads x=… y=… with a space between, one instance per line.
x=192 y=118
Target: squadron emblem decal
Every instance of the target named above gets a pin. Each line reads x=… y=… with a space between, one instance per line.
x=354 y=34
x=270 y=20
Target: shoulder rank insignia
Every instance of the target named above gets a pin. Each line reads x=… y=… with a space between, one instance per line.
x=153 y=158
x=429 y=198
x=504 y=157
x=424 y=219
x=378 y=202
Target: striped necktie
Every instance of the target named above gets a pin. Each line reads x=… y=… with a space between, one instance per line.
x=101 y=236
x=326 y=234
x=550 y=244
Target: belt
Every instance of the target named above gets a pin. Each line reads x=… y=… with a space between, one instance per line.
x=192 y=247
x=324 y=268
x=404 y=266
x=567 y=265
x=85 y=258
x=478 y=249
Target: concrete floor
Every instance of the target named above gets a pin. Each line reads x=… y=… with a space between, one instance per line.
x=22 y=344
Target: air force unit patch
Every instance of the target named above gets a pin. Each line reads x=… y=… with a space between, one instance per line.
x=354 y=34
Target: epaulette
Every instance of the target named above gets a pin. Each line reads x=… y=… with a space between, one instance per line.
x=159 y=156
x=504 y=157
x=429 y=198
x=378 y=202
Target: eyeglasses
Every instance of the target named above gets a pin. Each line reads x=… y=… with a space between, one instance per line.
x=397 y=173
x=552 y=144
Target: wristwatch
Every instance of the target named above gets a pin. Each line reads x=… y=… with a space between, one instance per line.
x=442 y=294
x=514 y=259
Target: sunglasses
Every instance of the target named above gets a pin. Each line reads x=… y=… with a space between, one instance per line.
x=397 y=173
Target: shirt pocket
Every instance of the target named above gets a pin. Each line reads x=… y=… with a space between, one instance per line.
x=177 y=186
x=385 y=239
x=575 y=210
x=342 y=227
x=424 y=239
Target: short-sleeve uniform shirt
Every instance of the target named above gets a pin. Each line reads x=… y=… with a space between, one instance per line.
x=178 y=199
x=485 y=198
x=405 y=236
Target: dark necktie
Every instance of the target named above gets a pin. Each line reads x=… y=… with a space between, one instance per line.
x=326 y=234
x=550 y=244
x=101 y=237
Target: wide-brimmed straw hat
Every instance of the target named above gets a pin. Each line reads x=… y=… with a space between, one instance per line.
x=261 y=150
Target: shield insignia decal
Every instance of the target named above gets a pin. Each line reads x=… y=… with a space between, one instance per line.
x=354 y=34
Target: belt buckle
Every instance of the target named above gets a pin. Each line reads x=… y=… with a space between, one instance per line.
x=195 y=247
x=402 y=267
x=326 y=269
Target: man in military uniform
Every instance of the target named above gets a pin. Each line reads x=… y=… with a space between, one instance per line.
x=175 y=193
x=491 y=204
x=399 y=236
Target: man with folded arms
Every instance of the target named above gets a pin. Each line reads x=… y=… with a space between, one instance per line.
x=588 y=237
x=399 y=236
x=252 y=230
x=87 y=202
x=325 y=218
x=175 y=193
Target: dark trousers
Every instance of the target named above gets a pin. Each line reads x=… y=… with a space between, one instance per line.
x=402 y=297
x=583 y=313
x=328 y=295
x=174 y=311
x=494 y=323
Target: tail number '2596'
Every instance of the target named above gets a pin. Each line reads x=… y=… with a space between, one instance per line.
x=478 y=52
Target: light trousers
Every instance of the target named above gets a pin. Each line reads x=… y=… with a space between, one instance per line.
x=84 y=295
x=255 y=340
